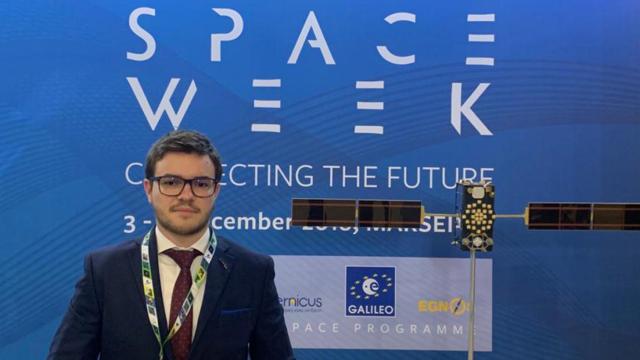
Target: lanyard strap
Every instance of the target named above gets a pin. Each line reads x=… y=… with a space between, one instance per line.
x=187 y=304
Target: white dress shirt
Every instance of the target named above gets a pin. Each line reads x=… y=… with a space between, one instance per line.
x=169 y=271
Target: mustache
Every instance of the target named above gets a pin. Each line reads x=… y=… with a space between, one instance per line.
x=183 y=205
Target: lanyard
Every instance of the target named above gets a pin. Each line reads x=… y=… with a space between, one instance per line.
x=149 y=294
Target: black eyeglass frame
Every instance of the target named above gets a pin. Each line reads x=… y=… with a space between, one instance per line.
x=184 y=183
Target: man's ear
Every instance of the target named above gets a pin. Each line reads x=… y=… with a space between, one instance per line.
x=148 y=188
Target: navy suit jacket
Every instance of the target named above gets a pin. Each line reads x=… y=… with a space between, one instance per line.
x=107 y=316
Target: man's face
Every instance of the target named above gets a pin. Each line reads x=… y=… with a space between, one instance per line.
x=184 y=214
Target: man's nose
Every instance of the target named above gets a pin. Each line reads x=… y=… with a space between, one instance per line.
x=186 y=193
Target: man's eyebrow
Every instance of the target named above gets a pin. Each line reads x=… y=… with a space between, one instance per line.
x=195 y=177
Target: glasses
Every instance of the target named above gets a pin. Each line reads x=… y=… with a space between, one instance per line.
x=171 y=185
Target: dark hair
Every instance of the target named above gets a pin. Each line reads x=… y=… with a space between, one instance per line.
x=182 y=141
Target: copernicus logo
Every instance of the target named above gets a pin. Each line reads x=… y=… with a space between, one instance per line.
x=456 y=306
x=371 y=291
x=301 y=303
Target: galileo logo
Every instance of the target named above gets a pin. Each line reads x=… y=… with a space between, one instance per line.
x=370 y=291
x=301 y=304
x=456 y=306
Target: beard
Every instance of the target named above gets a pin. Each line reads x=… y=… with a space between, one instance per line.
x=186 y=229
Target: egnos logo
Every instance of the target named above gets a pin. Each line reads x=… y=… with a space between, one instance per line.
x=456 y=306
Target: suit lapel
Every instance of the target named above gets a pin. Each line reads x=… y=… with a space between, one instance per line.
x=136 y=267
x=135 y=264
x=217 y=277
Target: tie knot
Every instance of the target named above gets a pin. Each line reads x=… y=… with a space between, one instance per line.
x=183 y=258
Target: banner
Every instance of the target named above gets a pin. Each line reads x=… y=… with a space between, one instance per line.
x=335 y=99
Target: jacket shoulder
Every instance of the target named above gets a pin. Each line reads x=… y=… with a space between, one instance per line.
x=243 y=254
x=113 y=253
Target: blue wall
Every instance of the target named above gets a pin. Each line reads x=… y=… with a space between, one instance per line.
x=562 y=107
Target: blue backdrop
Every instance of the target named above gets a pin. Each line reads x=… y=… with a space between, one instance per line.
x=546 y=93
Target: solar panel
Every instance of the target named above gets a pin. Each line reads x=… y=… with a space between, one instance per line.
x=323 y=212
x=583 y=216
x=616 y=216
x=559 y=216
x=389 y=213
x=363 y=213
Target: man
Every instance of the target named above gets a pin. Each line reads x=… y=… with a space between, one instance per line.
x=199 y=295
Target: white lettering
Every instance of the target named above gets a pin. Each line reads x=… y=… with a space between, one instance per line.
x=390 y=176
x=311 y=24
x=370 y=328
x=486 y=177
x=165 y=104
x=217 y=39
x=127 y=173
x=215 y=223
x=142 y=33
x=368 y=176
x=384 y=51
x=246 y=222
x=458 y=330
x=277 y=223
x=458 y=108
x=331 y=169
x=426 y=176
x=232 y=178
x=438 y=224
x=308 y=178
x=369 y=309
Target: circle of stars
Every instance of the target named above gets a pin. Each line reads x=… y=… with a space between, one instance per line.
x=384 y=279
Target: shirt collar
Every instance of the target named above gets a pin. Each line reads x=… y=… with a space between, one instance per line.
x=165 y=244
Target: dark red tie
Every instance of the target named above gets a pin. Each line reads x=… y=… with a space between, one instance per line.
x=181 y=341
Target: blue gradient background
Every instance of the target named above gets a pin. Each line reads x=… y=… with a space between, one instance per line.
x=564 y=106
